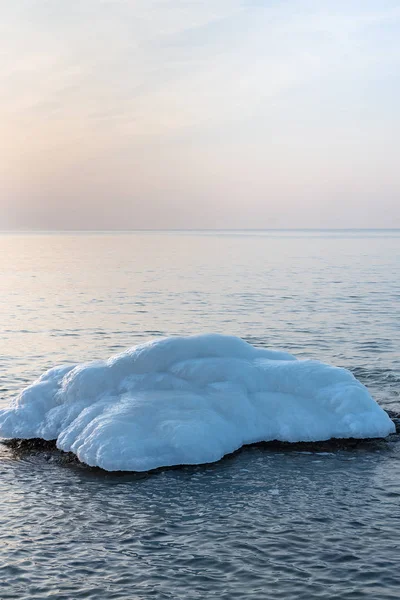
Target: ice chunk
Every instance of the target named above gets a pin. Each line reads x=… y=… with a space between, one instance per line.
x=190 y=400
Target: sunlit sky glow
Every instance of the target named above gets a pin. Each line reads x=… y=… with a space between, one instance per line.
x=199 y=114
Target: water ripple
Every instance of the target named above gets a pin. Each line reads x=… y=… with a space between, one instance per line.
x=260 y=524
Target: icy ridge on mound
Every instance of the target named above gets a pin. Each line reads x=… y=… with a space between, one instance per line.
x=190 y=400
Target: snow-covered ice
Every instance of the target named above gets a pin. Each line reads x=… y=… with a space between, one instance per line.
x=190 y=400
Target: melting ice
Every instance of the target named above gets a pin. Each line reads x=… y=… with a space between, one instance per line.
x=190 y=400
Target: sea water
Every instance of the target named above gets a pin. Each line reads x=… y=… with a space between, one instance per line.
x=258 y=524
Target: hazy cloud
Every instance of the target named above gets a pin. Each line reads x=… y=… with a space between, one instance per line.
x=199 y=113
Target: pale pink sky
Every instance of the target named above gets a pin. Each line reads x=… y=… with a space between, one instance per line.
x=199 y=114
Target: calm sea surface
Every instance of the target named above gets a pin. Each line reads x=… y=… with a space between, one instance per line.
x=258 y=524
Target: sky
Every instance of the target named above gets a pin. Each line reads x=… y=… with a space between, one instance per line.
x=148 y=114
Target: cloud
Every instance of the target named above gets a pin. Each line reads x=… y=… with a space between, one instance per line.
x=168 y=102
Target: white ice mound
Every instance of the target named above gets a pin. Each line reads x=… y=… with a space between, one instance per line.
x=190 y=400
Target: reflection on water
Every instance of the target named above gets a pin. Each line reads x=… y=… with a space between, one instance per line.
x=259 y=524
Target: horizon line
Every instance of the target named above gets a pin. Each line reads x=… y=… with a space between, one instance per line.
x=23 y=230
x=201 y=229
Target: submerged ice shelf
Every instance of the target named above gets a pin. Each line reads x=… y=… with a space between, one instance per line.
x=190 y=400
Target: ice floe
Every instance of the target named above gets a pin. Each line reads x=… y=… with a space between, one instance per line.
x=190 y=400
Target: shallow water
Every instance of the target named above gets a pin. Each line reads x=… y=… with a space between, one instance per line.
x=259 y=524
